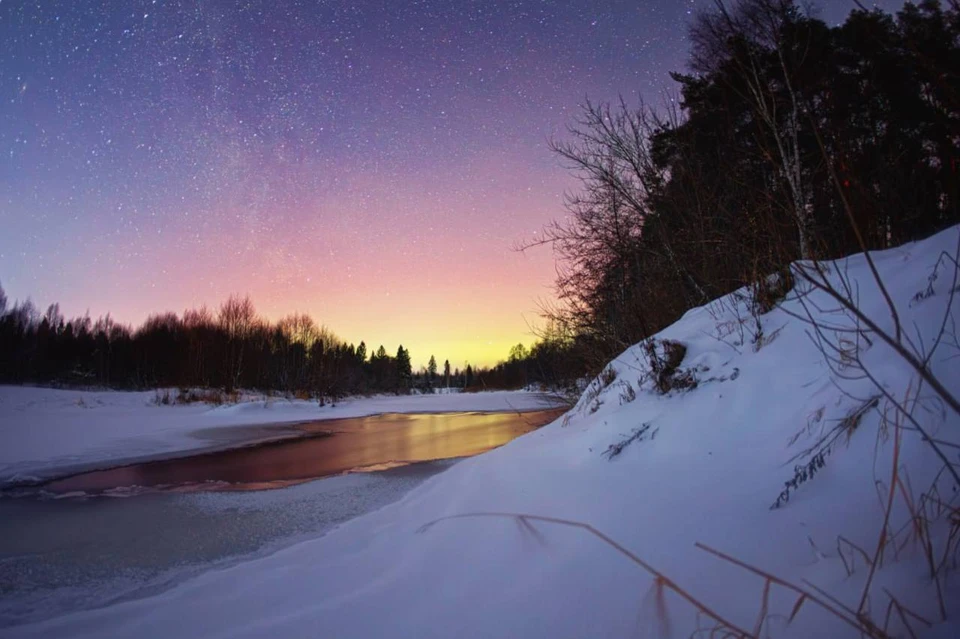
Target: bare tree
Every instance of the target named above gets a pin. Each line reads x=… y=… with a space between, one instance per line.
x=238 y=318
x=611 y=152
x=299 y=328
x=611 y=237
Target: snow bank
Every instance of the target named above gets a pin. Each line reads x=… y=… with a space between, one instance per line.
x=706 y=467
x=47 y=432
x=65 y=556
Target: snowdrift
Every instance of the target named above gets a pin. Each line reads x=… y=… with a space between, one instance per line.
x=657 y=473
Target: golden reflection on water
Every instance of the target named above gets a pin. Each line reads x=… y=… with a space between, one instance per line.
x=362 y=444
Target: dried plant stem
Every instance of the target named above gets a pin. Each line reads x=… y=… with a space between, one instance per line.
x=902 y=611
x=882 y=539
x=852 y=621
x=661 y=579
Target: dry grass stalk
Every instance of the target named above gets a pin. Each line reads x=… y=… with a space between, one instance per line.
x=902 y=612
x=764 y=608
x=884 y=530
x=661 y=581
x=852 y=565
x=850 y=619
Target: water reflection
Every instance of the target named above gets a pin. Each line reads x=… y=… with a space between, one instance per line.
x=329 y=448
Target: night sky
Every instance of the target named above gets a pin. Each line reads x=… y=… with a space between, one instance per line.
x=369 y=163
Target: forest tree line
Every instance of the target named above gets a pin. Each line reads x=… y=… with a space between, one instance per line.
x=232 y=348
x=789 y=139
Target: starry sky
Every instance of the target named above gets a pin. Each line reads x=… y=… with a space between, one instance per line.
x=369 y=163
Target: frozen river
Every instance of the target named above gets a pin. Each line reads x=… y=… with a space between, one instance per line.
x=84 y=546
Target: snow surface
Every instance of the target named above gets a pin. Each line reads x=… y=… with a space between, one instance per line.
x=48 y=432
x=719 y=457
x=66 y=555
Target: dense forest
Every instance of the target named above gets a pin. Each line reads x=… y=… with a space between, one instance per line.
x=789 y=139
x=230 y=349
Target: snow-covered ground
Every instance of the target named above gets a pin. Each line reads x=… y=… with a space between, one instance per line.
x=47 y=432
x=61 y=556
x=706 y=467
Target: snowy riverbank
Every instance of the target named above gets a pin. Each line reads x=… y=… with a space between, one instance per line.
x=48 y=432
x=63 y=556
x=704 y=464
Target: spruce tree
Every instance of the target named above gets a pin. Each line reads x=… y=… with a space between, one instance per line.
x=404 y=369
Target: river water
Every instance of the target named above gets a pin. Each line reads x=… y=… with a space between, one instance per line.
x=101 y=537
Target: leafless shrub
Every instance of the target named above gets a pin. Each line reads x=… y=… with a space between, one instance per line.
x=842 y=332
x=738 y=322
x=768 y=292
x=213 y=396
x=627 y=394
x=608 y=376
x=664 y=358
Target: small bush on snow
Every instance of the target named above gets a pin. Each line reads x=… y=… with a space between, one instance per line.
x=608 y=376
x=769 y=291
x=627 y=394
x=664 y=358
x=215 y=396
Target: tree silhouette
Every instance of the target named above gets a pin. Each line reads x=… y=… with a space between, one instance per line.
x=431 y=370
x=404 y=370
x=791 y=139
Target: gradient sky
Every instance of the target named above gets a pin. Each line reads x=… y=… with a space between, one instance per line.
x=369 y=163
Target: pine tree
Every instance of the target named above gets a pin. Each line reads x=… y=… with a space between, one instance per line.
x=404 y=369
x=446 y=373
x=432 y=369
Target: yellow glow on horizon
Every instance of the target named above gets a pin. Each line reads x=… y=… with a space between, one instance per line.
x=453 y=288
x=464 y=333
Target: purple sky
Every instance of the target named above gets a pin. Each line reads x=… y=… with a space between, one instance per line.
x=369 y=163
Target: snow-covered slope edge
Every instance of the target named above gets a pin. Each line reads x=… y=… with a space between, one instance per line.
x=708 y=465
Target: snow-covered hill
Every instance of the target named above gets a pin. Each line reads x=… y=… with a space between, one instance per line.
x=705 y=464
